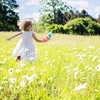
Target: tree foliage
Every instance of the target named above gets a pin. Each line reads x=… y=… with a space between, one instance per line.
x=59 y=18
x=52 y=11
x=79 y=26
x=8 y=16
x=58 y=12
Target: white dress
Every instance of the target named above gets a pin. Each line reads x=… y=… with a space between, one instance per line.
x=26 y=48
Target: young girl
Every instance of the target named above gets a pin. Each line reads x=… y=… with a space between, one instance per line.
x=25 y=49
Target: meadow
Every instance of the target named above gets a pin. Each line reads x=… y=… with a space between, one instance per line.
x=68 y=68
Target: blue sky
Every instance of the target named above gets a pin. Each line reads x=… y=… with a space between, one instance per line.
x=30 y=8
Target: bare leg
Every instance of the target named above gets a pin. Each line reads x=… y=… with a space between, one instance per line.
x=18 y=58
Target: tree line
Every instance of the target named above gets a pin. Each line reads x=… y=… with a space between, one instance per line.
x=52 y=12
x=8 y=16
x=58 y=12
x=61 y=18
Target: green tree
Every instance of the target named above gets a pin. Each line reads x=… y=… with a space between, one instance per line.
x=70 y=14
x=8 y=16
x=82 y=26
x=59 y=17
x=51 y=9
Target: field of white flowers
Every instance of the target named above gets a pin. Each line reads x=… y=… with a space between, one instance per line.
x=68 y=68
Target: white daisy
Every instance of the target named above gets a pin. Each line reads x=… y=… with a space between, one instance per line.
x=23 y=83
x=12 y=80
x=82 y=86
x=11 y=70
x=98 y=67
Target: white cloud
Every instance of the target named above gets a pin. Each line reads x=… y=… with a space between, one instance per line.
x=79 y=4
x=34 y=16
x=33 y=2
x=97 y=11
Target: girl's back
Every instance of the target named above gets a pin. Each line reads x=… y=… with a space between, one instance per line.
x=25 y=49
x=26 y=35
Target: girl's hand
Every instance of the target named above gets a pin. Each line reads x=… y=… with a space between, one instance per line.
x=8 y=39
x=44 y=40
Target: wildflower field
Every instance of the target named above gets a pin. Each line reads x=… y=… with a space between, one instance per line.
x=68 y=68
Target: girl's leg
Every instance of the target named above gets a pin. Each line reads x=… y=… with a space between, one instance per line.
x=18 y=58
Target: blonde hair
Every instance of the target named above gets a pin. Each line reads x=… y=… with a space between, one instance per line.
x=25 y=25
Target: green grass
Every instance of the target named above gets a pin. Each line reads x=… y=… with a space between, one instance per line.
x=68 y=68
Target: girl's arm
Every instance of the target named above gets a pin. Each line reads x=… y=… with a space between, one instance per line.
x=36 y=39
x=14 y=36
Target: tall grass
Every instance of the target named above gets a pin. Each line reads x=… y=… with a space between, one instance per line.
x=68 y=68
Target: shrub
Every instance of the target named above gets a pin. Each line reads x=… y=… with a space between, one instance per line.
x=82 y=26
x=55 y=28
